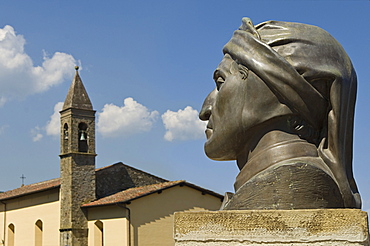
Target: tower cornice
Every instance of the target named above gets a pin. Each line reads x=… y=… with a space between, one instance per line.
x=77 y=111
x=76 y=154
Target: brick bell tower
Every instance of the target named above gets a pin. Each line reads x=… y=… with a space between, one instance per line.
x=77 y=163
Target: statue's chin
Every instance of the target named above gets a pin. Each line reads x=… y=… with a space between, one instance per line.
x=217 y=151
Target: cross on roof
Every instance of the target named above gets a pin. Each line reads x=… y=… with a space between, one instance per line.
x=23 y=178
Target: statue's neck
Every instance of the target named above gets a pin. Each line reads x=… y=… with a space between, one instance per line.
x=272 y=147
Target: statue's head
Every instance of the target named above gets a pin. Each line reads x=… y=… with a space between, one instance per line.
x=271 y=70
x=283 y=72
x=239 y=104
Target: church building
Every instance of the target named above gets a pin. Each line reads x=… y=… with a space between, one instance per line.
x=110 y=206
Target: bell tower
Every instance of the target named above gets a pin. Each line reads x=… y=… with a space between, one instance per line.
x=77 y=163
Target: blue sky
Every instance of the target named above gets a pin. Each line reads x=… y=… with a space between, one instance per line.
x=147 y=66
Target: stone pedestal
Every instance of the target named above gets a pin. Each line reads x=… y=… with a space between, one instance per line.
x=329 y=227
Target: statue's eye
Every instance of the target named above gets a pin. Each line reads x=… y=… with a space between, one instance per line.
x=219 y=82
x=219 y=78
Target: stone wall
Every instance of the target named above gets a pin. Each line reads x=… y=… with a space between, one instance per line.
x=77 y=188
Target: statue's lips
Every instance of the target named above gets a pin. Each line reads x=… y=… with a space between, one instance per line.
x=209 y=130
x=209 y=133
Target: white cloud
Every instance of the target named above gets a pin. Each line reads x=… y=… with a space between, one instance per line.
x=51 y=128
x=37 y=137
x=53 y=125
x=183 y=124
x=132 y=118
x=36 y=134
x=19 y=77
x=129 y=119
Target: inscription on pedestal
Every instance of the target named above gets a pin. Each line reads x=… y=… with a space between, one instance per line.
x=272 y=227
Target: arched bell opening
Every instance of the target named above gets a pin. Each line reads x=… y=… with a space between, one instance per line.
x=82 y=138
x=65 y=138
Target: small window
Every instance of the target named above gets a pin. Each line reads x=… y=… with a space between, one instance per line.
x=82 y=138
x=38 y=233
x=11 y=235
x=98 y=233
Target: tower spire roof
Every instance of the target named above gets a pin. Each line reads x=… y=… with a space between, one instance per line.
x=77 y=96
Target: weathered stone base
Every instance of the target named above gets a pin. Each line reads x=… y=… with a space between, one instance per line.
x=318 y=227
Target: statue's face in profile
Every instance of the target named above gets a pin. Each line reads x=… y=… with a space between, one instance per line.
x=237 y=106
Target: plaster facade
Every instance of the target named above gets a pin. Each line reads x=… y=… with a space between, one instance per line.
x=24 y=212
x=152 y=218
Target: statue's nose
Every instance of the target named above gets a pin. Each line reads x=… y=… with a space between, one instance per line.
x=206 y=111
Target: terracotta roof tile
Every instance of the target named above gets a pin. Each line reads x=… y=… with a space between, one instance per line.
x=137 y=192
x=29 y=189
x=132 y=193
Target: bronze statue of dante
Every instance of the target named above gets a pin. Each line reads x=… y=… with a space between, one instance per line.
x=283 y=108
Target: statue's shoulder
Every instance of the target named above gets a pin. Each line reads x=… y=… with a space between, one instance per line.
x=288 y=185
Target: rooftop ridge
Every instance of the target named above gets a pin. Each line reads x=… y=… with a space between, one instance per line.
x=155 y=176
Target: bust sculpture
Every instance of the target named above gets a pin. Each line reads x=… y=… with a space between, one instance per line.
x=283 y=108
